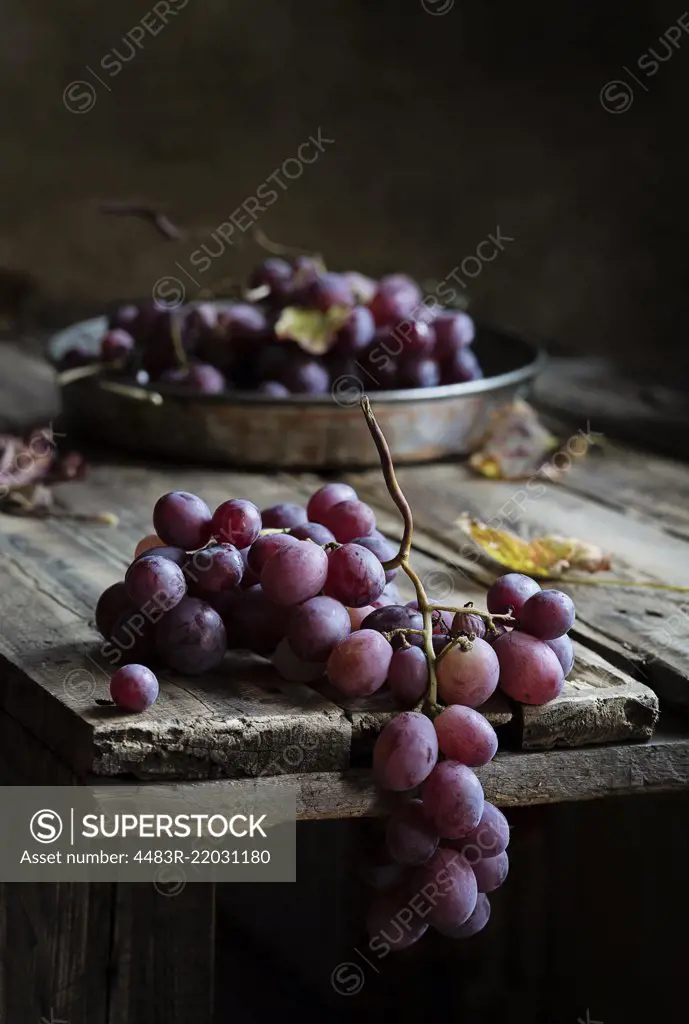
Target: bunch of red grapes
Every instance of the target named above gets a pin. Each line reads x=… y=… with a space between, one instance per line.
x=384 y=334
x=307 y=587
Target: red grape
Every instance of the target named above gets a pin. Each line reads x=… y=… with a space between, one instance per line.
x=396 y=616
x=466 y=736
x=316 y=626
x=447 y=882
x=116 y=344
x=359 y=665
x=547 y=615
x=112 y=603
x=491 y=872
x=409 y=837
x=349 y=519
x=473 y=925
x=490 y=837
x=326 y=497
x=460 y=367
x=273 y=388
x=147 y=543
x=236 y=522
x=191 y=638
x=262 y=549
x=356 y=333
x=327 y=291
x=468 y=677
x=357 y=615
x=182 y=520
x=305 y=375
x=513 y=590
x=214 y=570
x=134 y=688
x=564 y=652
x=295 y=573
x=466 y=623
x=355 y=576
x=405 y=752
x=382 y=549
x=529 y=670
x=316 y=532
x=418 y=372
x=131 y=639
x=157 y=579
x=283 y=516
x=253 y=622
x=275 y=274
x=453 y=331
x=453 y=799
x=408 y=675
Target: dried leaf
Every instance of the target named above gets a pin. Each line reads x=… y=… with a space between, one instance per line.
x=312 y=330
x=544 y=557
x=515 y=444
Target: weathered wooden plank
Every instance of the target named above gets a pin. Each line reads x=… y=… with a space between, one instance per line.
x=513 y=779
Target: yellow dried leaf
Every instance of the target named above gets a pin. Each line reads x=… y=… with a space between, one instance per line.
x=514 y=445
x=545 y=557
x=312 y=330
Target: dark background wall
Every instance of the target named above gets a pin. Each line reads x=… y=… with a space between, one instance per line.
x=445 y=127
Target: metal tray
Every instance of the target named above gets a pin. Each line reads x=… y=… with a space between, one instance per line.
x=251 y=430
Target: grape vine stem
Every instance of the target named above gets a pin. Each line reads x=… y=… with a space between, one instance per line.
x=401 y=559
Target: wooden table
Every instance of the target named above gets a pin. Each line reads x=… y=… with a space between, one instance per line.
x=89 y=948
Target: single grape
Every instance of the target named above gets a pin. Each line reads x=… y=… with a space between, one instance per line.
x=490 y=837
x=214 y=570
x=134 y=688
x=440 y=642
x=418 y=372
x=491 y=872
x=245 y=322
x=442 y=620
x=294 y=669
x=564 y=652
x=465 y=736
x=274 y=273
x=473 y=925
x=380 y=871
x=357 y=615
x=530 y=671
x=116 y=345
x=112 y=603
x=152 y=540
x=547 y=615
x=499 y=629
x=349 y=519
x=409 y=837
x=205 y=379
x=177 y=555
x=262 y=549
x=325 y=498
x=392 y=592
x=152 y=578
x=448 y=884
x=408 y=675
x=316 y=626
x=379 y=361
x=417 y=337
x=316 y=532
x=355 y=576
x=236 y=522
x=283 y=516
x=405 y=752
x=396 y=616
x=191 y=638
x=182 y=520
x=468 y=677
x=358 y=666
x=392 y=926
x=453 y=799
x=295 y=573
x=327 y=291
x=511 y=590
x=382 y=549
x=453 y=331
x=131 y=639
x=465 y=623
x=305 y=375
x=253 y=623
x=460 y=367
x=356 y=333
x=273 y=388
x=203 y=316
x=397 y=297
x=363 y=287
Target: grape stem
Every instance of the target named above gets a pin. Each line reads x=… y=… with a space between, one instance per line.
x=490 y=619
x=401 y=559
